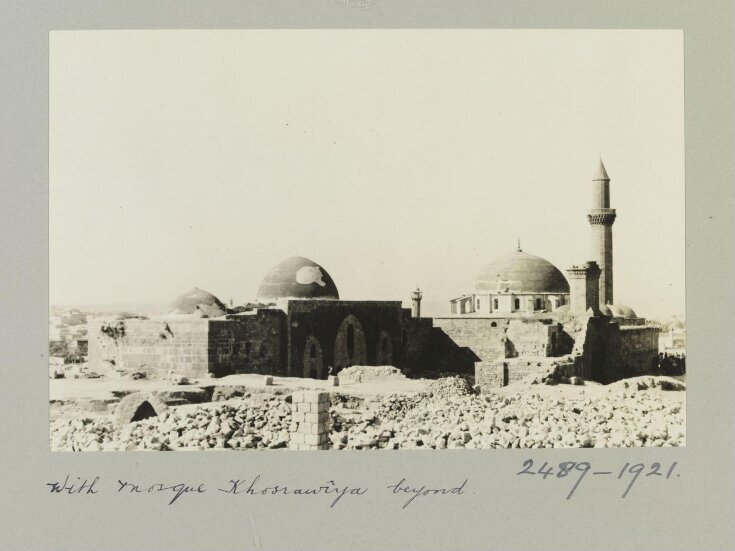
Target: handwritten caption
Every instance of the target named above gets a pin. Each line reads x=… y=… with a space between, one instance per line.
x=405 y=493
x=577 y=471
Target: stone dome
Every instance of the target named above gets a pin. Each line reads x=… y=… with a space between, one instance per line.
x=617 y=311
x=677 y=325
x=520 y=272
x=198 y=302
x=297 y=277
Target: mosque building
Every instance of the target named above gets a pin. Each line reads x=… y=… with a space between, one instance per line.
x=521 y=316
x=297 y=326
x=516 y=284
x=523 y=312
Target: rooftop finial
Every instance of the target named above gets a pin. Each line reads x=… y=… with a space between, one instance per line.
x=518 y=249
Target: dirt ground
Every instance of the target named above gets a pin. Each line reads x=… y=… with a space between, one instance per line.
x=102 y=389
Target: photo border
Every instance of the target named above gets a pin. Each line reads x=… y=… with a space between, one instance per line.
x=499 y=510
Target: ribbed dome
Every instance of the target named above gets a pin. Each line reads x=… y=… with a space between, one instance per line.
x=198 y=302
x=298 y=277
x=521 y=272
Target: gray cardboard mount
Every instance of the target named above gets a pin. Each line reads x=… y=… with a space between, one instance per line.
x=498 y=510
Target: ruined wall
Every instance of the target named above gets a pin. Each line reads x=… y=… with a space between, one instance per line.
x=631 y=350
x=458 y=344
x=151 y=346
x=583 y=337
x=512 y=370
x=531 y=337
x=250 y=343
x=415 y=341
x=309 y=420
x=489 y=375
x=323 y=321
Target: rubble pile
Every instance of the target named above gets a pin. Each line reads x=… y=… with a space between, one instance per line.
x=241 y=426
x=364 y=373
x=448 y=387
x=447 y=414
x=452 y=417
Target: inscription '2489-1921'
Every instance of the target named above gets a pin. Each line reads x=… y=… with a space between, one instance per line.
x=583 y=468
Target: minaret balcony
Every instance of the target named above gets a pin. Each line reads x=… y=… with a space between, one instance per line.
x=604 y=217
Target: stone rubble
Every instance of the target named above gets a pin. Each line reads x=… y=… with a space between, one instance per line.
x=241 y=426
x=448 y=414
x=364 y=373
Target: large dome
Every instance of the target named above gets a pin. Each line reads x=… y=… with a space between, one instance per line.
x=297 y=277
x=198 y=302
x=521 y=272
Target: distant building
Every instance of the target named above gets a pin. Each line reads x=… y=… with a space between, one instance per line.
x=674 y=341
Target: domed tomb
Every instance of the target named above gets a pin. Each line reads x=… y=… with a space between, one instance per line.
x=521 y=273
x=298 y=277
x=198 y=302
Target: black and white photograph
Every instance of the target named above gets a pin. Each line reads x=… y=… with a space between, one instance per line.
x=423 y=239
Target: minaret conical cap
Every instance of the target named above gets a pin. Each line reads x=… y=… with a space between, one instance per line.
x=600 y=173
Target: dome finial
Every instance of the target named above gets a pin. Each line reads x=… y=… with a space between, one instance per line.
x=518 y=248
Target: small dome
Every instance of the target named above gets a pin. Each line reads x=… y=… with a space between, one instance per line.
x=521 y=272
x=298 y=277
x=677 y=325
x=198 y=302
x=618 y=311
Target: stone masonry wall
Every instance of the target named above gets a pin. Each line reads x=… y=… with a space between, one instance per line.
x=309 y=420
x=152 y=346
x=630 y=351
x=460 y=343
x=530 y=337
x=512 y=370
x=321 y=321
x=415 y=337
x=253 y=343
x=463 y=344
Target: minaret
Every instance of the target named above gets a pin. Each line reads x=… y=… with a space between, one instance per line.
x=601 y=218
x=416 y=300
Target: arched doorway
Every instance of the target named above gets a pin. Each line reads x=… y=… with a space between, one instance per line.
x=349 y=346
x=138 y=406
x=313 y=359
x=385 y=349
x=144 y=411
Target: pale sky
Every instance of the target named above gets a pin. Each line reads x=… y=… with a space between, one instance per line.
x=393 y=158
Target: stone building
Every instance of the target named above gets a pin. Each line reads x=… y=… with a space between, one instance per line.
x=297 y=326
x=522 y=317
x=673 y=340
